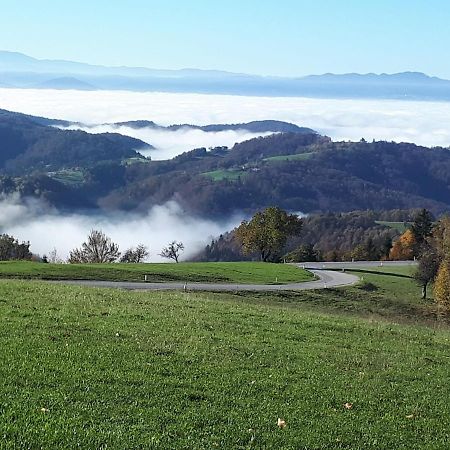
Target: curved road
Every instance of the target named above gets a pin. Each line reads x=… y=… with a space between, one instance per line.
x=326 y=279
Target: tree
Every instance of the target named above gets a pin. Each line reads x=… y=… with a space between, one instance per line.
x=54 y=258
x=303 y=253
x=135 y=255
x=97 y=249
x=427 y=269
x=172 y=251
x=10 y=248
x=422 y=228
x=403 y=247
x=442 y=287
x=267 y=232
x=386 y=247
x=441 y=237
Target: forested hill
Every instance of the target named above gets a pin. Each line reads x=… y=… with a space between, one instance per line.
x=257 y=126
x=27 y=144
x=298 y=171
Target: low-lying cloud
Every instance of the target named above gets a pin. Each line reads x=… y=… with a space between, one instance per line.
x=46 y=229
x=424 y=123
x=169 y=144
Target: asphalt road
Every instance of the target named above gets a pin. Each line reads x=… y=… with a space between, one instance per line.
x=355 y=264
x=326 y=279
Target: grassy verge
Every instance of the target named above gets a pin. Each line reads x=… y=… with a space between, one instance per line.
x=100 y=368
x=240 y=272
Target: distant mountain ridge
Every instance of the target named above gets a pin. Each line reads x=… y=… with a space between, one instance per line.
x=257 y=126
x=22 y=71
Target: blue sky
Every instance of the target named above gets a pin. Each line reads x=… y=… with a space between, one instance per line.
x=283 y=37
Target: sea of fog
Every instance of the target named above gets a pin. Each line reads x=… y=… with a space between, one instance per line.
x=424 y=123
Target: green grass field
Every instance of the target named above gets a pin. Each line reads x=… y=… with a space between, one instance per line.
x=233 y=272
x=295 y=157
x=103 y=368
x=230 y=175
x=401 y=227
x=69 y=177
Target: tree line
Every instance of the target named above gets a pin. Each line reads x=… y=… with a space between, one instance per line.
x=98 y=248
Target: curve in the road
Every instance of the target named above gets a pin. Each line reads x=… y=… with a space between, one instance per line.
x=327 y=279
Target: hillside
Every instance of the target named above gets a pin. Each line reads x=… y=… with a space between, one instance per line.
x=28 y=144
x=258 y=126
x=298 y=171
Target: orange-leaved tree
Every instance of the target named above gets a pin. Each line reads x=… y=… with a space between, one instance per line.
x=403 y=247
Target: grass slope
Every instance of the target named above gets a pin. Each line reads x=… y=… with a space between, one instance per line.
x=401 y=227
x=99 y=368
x=230 y=175
x=294 y=157
x=232 y=272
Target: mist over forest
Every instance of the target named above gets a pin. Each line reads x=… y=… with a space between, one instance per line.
x=97 y=111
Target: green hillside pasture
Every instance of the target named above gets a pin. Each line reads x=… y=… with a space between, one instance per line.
x=378 y=296
x=68 y=176
x=295 y=157
x=232 y=272
x=401 y=227
x=230 y=175
x=102 y=368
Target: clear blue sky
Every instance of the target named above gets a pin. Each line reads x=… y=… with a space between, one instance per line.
x=277 y=37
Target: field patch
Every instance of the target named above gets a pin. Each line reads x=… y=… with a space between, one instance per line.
x=226 y=272
x=295 y=157
x=102 y=368
x=230 y=175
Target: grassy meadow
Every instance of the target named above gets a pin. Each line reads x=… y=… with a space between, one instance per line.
x=103 y=368
x=227 y=272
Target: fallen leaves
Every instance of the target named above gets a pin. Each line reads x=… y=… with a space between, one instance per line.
x=281 y=423
x=348 y=405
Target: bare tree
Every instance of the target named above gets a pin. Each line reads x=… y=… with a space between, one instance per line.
x=135 y=255
x=172 y=251
x=98 y=249
x=54 y=258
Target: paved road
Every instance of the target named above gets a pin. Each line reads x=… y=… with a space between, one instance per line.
x=355 y=264
x=326 y=279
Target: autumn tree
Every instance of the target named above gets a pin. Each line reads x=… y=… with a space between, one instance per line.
x=267 y=232
x=403 y=248
x=440 y=240
x=441 y=237
x=97 y=249
x=442 y=287
x=172 y=251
